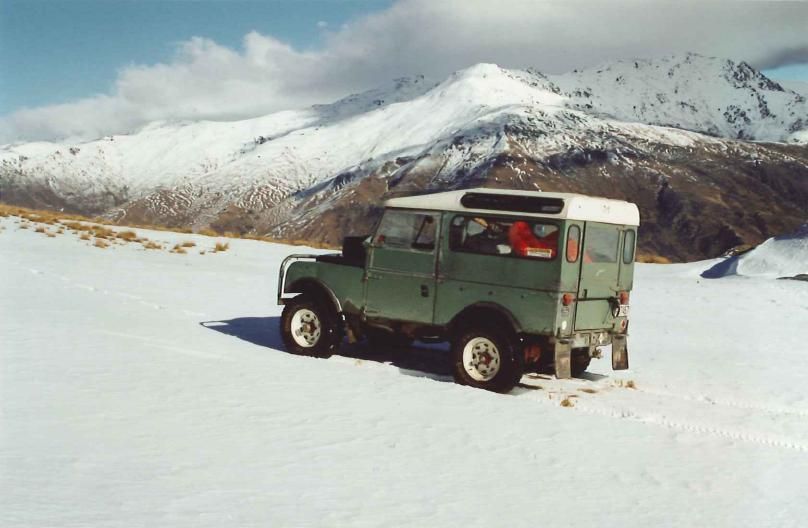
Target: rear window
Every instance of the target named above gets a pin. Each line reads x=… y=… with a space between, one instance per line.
x=628 y=247
x=601 y=243
x=573 y=243
x=406 y=230
x=487 y=235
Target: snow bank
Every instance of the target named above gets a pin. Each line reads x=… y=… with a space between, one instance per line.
x=783 y=256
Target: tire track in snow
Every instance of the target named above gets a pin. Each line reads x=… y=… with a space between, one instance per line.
x=595 y=406
x=135 y=298
x=749 y=406
x=754 y=438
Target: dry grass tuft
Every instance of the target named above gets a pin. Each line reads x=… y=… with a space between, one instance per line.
x=178 y=249
x=75 y=226
x=40 y=229
x=85 y=236
x=100 y=243
x=188 y=244
x=51 y=235
x=588 y=391
x=566 y=402
x=148 y=244
x=129 y=236
x=95 y=226
x=221 y=247
x=102 y=232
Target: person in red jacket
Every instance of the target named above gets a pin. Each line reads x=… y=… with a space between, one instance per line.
x=526 y=244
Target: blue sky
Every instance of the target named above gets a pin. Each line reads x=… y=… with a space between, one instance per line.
x=86 y=68
x=54 y=51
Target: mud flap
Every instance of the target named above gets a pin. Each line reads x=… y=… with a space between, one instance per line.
x=619 y=353
x=563 y=367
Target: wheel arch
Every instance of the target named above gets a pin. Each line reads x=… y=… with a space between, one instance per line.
x=484 y=313
x=318 y=289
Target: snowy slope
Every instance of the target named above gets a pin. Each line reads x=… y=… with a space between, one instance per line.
x=781 y=256
x=710 y=95
x=142 y=388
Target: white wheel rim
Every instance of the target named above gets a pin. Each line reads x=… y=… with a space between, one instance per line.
x=481 y=359
x=306 y=328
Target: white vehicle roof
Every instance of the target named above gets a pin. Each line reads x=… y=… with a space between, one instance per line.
x=576 y=206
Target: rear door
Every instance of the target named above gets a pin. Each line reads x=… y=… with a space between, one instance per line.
x=600 y=276
x=401 y=269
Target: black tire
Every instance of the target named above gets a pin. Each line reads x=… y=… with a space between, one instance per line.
x=510 y=368
x=321 y=338
x=579 y=361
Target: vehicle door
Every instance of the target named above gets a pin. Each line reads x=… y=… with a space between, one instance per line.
x=600 y=276
x=400 y=281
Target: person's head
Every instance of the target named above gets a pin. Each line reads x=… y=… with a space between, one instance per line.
x=543 y=230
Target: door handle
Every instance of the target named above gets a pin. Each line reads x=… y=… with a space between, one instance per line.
x=424 y=290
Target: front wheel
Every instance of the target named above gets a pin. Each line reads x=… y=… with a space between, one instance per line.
x=309 y=327
x=486 y=359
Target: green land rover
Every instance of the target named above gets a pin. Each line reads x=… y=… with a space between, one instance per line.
x=515 y=281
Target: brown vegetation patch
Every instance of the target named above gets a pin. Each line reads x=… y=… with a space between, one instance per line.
x=221 y=246
x=129 y=236
x=149 y=244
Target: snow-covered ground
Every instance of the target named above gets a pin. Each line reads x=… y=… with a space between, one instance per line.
x=143 y=388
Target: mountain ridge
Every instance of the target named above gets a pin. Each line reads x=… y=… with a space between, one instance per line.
x=291 y=173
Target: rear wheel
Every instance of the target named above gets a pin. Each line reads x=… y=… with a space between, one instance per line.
x=579 y=361
x=486 y=359
x=310 y=327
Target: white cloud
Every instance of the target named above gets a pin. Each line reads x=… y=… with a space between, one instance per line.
x=322 y=24
x=205 y=80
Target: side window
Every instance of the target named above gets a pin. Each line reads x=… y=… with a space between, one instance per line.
x=601 y=244
x=406 y=230
x=573 y=243
x=500 y=236
x=628 y=247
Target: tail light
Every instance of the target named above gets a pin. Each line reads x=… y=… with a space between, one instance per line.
x=623 y=297
x=567 y=299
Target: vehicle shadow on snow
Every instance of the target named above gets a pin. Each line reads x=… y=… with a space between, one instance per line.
x=429 y=361
x=261 y=331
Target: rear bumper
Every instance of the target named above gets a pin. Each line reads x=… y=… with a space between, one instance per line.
x=562 y=349
x=592 y=338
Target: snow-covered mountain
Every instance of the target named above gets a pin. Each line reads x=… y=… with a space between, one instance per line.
x=316 y=172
